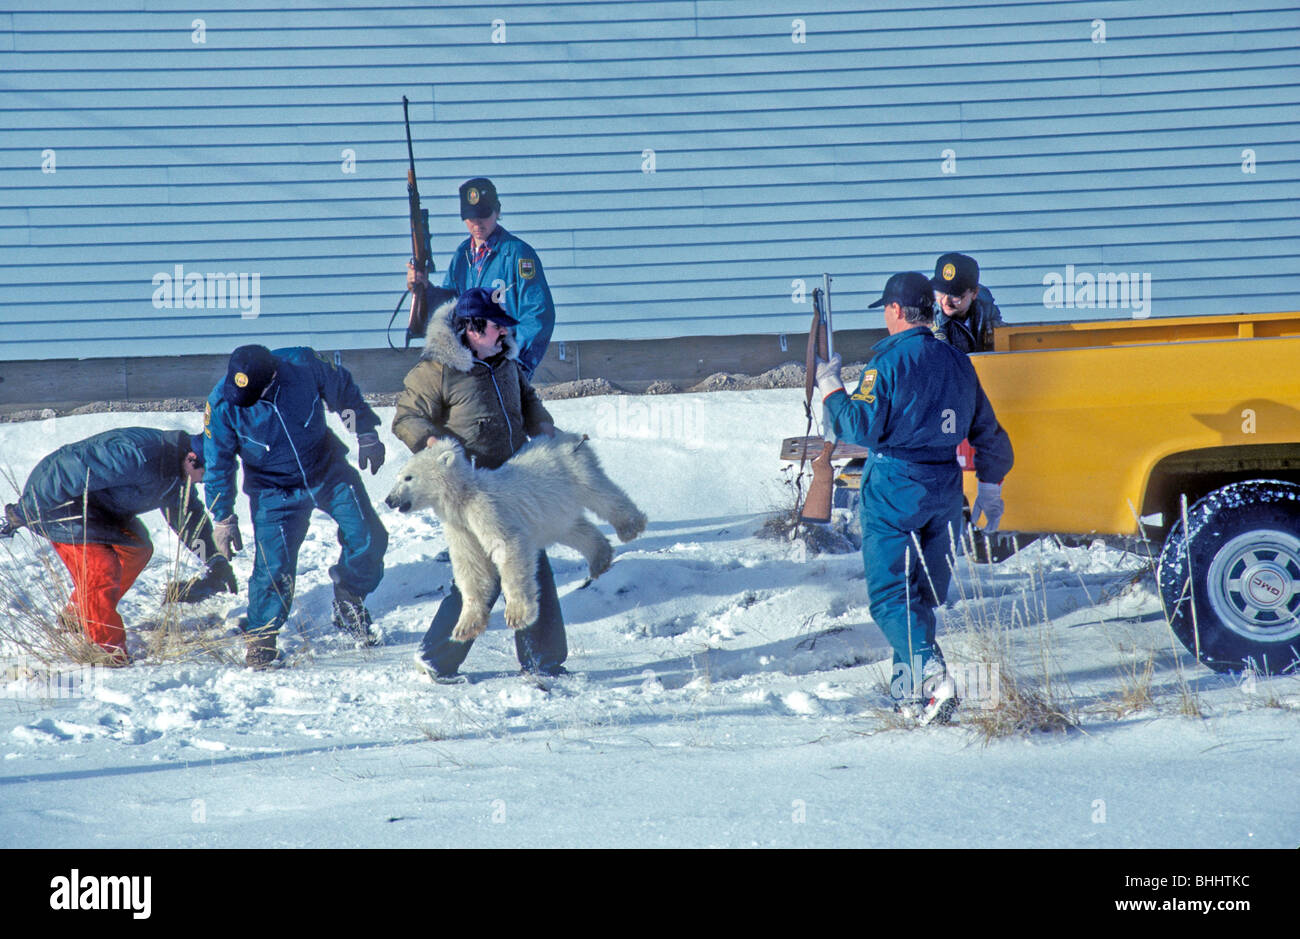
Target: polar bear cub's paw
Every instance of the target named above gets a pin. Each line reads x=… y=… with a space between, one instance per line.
x=472 y=623
x=521 y=612
x=630 y=525
x=600 y=561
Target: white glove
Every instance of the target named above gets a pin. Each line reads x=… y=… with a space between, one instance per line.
x=828 y=376
x=988 y=502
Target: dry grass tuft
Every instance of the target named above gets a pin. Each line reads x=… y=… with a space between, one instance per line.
x=1026 y=701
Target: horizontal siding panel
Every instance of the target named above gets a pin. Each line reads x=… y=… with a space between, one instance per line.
x=371 y=282
x=399 y=34
x=1120 y=185
x=1046 y=19
x=639 y=97
x=236 y=17
x=1185 y=118
x=939 y=123
x=571 y=46
x=454 y=159
x=1268 y=191
x=397 y=75
x=391 y=253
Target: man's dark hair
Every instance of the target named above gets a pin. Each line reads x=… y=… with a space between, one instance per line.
x=476 y=323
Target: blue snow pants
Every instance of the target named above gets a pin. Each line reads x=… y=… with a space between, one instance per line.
x=911 y=513
x=541 y=647
x=280 y=520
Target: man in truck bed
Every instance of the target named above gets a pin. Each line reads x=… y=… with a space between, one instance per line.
x=919 y=399
x=966 y=312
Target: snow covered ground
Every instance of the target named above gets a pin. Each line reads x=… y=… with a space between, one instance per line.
x=726 y=690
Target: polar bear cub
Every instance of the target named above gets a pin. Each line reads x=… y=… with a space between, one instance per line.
x=497 y=521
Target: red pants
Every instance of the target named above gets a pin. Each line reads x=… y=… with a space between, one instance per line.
x=101 y=573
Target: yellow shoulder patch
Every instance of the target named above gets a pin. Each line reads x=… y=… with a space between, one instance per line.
x=207 y=420
x=865 y=386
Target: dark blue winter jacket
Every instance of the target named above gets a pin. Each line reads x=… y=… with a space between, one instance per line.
x=917 y=401
x=90 y=491
x=974 y=331
x=282 y=438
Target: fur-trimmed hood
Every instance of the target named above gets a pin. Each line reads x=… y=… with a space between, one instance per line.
x=443 y=344
x=486 y=405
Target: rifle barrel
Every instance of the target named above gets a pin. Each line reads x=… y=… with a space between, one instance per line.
x=830 y=332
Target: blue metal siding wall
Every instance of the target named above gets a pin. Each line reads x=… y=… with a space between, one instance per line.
x=774 y=160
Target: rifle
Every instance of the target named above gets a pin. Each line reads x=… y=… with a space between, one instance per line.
x=421 y=253
x=817 y=504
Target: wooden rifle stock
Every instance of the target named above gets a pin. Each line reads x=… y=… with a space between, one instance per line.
x=817 y=504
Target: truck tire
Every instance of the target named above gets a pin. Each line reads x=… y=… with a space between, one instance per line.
x=1232 y=581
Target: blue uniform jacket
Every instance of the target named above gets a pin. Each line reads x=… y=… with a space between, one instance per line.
x=514 y=266
x=974 y=331
x=917 y=401
x=92 y=490
x=282 y=438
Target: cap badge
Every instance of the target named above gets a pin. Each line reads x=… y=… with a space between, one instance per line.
x=472 y=196
x=241 y=380
x=949 y=271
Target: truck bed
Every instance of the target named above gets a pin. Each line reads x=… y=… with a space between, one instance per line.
x=1092 y=408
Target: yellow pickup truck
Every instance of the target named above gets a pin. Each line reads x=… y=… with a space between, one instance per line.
x=1184 y=429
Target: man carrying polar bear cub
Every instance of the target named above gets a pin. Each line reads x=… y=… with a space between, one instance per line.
x=466 y=410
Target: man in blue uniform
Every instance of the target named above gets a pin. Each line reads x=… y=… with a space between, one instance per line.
x=267 y=411
x=491 y=257
x=966 y=313
x=916 y=402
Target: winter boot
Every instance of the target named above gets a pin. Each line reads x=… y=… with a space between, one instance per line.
x=259 y=649
x=218 y=578
x=455 y=678
x=938 y=694
x=351 y=616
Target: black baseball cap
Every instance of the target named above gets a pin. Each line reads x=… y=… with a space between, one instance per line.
x=478 y=302
x=196 y=447
x=478 y=198
x=250 y=370
x=955 y=273
x=910 y=288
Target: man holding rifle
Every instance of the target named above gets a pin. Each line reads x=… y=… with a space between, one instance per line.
x=919 y=399
x=492 y=257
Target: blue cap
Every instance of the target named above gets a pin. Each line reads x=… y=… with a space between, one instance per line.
x=955 y=273
x=478 y=302
x=250 y=370
x=478 y=198
x=909 y=288
x=196 y=447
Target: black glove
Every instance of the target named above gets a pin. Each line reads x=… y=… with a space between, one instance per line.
x=370 y=452
x=218 y=578
x=11 y=522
